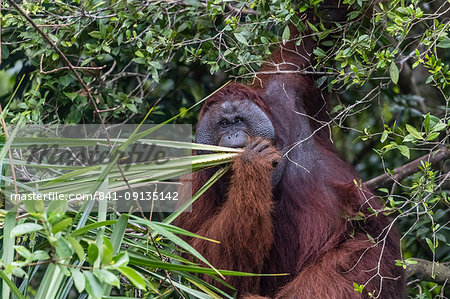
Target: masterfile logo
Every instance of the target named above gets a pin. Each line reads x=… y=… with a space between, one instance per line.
x=120 y=168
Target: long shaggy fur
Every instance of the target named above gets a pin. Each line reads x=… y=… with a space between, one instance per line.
x=245 y=215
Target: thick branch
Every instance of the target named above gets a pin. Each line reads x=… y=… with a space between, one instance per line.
x=406 y=170
x=424 y=270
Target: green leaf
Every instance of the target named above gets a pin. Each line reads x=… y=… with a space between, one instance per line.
x=319 y=52
x=141 y=260
x=409 y=138
x=11 y=285
x=23 y=251
x=202 y=287
x=180 y=231
x=133 y=276
x=25 y=228
x=353 y=15
x=139 y=60
x=155 y=75
x=4 y=51
x=83 y=230
x=95 y=34
x=389 y=146
x=426 y=123
x=430 y=244
x=61 y=225
x=19 y=272
x=327 y=43
x=53 y=37
x=416 y=134
x=9 y=222
x=40 y=255
x=156 y=64
x=445 y=43
x=77 y=247
x=432 y=136
x=107 y=252
x=65 y=80
x=92 y=253
x=404 y=150
x=439 y=127
x=313 y=28
x=106 y=48
x=120 y=260
x=384 y=136
x=93 y=285
x=358 y=288
x=107 y=277
x=384 y=190
x=139 y=53
x=286 y=34
x=240 y=38
x=119 y=232
x=62 y=248
x=78 y=279
x=393 y=72
x=193 y=3
x=160 y=229
x=433 y=121
x=410 y=262
x=321 y=80
x=71 y=95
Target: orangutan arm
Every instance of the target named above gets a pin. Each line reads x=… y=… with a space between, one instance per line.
x=243 y=225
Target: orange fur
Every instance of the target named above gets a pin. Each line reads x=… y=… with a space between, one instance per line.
x=243 y=224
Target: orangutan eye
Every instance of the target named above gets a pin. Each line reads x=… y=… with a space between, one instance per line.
x=224 y=123
x=238 y=121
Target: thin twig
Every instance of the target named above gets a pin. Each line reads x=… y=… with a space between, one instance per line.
x=110 y=109
x=57 y=25
x=66 y=67
x=161 y=257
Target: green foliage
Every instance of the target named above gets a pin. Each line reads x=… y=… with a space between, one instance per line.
x=131 y=50
x=94 y=250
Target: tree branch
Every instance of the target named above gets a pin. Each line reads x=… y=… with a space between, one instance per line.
x=97 y=68
x=61 y=54
x=406 y=170
x=425 y=270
